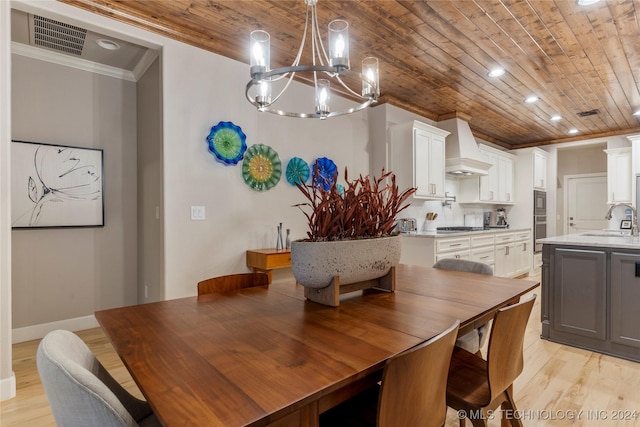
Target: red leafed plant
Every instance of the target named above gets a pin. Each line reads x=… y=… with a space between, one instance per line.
x=367 y=207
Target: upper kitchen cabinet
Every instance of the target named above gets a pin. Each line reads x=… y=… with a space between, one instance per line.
x=417 y=158
x=497 y=186
x=619 y=176
x=539 y=170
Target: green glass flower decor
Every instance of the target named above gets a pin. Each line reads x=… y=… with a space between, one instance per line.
x=261 y=167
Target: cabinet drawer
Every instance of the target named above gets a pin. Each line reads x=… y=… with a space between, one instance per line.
x=456 y=254
x=484 y=240
x=485 y=255
x=525 y=235
x=505 y=238
x=452 y=244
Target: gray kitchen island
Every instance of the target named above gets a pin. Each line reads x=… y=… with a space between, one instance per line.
x=591 y=292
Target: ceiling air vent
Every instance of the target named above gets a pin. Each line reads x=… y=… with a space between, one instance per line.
x=58 y=35
x=588 y=113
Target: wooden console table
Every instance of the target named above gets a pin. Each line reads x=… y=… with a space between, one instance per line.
x=265 y=260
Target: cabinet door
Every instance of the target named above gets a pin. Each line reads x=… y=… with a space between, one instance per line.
x=428 y=167
x=579 y=292
x=505 y=260
x=619 y=175
x=539 y=171
x=421 y=142
x=489 y=183
x=505 y=179
x=436 y=165
x=625 y=299
x=522 y=257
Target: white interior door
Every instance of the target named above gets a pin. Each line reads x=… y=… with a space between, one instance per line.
x=586 y=202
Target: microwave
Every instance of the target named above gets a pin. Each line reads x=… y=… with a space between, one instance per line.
x=539 y=202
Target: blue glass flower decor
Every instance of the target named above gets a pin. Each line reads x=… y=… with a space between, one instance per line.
x=227 y=143
x=298 y=171
x=326 y=169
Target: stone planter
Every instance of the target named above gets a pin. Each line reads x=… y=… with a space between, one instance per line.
x=315 y=264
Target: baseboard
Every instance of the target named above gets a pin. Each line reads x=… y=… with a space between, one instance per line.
x=36 y=332
x=8 y=387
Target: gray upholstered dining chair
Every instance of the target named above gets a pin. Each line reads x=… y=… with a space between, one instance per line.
x=472 y=341
x=81 y=391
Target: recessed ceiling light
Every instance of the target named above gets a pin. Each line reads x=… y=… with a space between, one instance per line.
x=108 y=44
x=636 y=113
x=531 y=99
x=586 y=2
x=496 y=72
x=556 y=117
x=573 y=131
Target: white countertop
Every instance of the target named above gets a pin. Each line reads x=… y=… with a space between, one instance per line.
x=437 y=234
x=595 y=239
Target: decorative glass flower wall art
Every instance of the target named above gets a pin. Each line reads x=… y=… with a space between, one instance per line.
x=298 y=171
x=326 y=171
x=261 y=167
x=227 y=143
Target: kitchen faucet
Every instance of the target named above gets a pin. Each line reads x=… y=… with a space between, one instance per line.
x=634 y=217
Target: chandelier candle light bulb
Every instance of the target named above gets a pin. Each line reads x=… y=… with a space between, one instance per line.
x=339 y=43
x=371 y=74
x=260 y=52
x=323 y=96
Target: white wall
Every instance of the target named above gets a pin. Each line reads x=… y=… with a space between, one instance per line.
x=7 y=378
x=72 y=272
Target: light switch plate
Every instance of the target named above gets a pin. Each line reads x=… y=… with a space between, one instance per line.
x=197 y=213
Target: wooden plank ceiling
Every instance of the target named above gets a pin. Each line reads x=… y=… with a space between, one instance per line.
x=435 y=55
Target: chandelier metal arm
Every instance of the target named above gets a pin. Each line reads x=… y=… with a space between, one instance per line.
x=371 y=99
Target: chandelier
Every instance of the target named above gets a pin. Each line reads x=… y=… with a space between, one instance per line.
x=323 y=69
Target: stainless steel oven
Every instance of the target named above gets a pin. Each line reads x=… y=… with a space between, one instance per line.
x=539 y=231
x=539 y=202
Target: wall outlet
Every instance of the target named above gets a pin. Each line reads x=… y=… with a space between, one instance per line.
x=197 y=213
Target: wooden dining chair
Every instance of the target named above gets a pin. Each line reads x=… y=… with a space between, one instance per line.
x=477 y=386
x=473 y=341
x=231 y=282
x=412 y=391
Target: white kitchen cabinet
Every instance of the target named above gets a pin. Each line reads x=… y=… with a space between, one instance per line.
x=453 y=247
x=417 y=158
x=540 y=170
x=513 y=254
x=483 y=249
x=508 y=252
x=497 y=186
x=522 y=258
x=619 y=176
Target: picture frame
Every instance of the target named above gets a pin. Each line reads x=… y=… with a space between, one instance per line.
x=56 y=186
x=625 y=224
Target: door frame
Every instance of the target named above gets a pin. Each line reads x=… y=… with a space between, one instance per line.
x=565 y=183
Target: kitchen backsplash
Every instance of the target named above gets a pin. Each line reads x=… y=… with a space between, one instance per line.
x=448 y=216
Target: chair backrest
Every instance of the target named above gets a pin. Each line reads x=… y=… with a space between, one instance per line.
x=414 y=383
x=80 y=390
x=464 y=265
x=504 y=356
x=231 y=282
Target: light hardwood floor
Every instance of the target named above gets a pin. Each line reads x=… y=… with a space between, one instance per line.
x=559 y=386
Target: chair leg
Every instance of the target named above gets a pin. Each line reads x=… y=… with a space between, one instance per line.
x=509 y=408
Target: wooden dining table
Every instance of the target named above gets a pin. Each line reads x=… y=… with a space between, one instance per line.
x=265 y=356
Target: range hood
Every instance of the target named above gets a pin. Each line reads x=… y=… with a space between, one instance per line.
x=463 y=157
